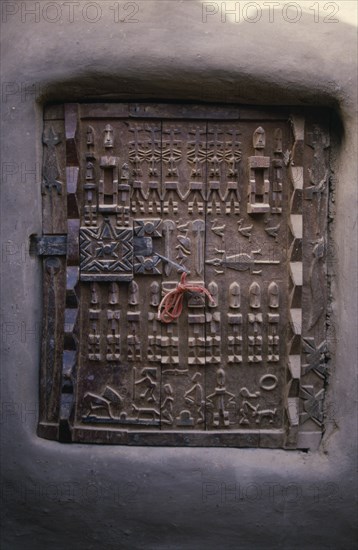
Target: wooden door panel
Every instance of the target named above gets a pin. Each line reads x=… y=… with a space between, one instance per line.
x=154 y=192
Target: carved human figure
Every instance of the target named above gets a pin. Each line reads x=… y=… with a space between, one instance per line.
x=155 y=294
x=273 y=293
x=167 y=405
x=220 y=400
x=255 y=295
x=89 y=170
x=234 y=295
x=316 y=281
x=195 y=397
x=113 y=294
x=278 y=140
x=50 y=171
x=149 y=384
x=133 y=291
x=259 y=138
x=125 y=172
x=94 y=294
x=90 y=135
x=108 y=136
x=214 y=291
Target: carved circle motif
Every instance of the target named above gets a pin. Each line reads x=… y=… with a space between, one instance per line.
x=268 y=382
x=148 y=264
x=107 y=249
x=149 y=228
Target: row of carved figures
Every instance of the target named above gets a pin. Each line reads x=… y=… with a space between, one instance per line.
x=156 y=291
x=214 y=144
x=118 y=187
x=142 y=405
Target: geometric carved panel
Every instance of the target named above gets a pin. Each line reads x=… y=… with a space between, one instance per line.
x=106 y=253
x=234 y=197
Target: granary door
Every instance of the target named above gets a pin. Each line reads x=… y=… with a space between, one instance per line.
x=133 y=197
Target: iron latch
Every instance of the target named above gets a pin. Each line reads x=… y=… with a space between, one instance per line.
x=48 y=245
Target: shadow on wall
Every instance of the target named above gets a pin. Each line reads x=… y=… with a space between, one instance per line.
x=227 y=52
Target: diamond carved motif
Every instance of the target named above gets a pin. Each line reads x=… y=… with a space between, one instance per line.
x=106 y=253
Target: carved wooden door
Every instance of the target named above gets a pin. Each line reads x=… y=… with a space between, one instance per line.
x=152 y=192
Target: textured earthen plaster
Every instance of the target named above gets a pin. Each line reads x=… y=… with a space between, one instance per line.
x=57 y=495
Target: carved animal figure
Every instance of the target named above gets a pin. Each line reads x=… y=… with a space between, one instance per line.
x=245 y=231
x=272 y=231
x=269 y=413
x=218 y=229
x=144 y=412
x=109 y=404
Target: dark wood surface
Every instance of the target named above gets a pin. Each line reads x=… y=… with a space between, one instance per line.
x=144 y=192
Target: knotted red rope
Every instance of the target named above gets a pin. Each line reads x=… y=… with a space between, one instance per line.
x=171 y=306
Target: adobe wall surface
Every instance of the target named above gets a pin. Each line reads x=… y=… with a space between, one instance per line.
x=89 y=497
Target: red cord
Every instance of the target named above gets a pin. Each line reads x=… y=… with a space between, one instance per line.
x=171 y=306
